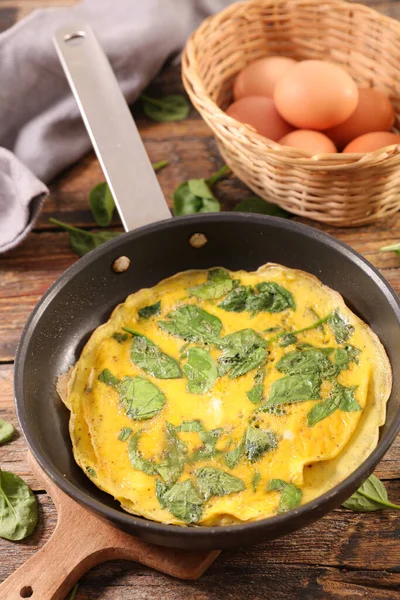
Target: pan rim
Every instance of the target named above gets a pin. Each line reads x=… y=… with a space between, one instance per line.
x=319 y=506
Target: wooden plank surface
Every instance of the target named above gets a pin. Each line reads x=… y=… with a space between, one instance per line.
x=345 y=555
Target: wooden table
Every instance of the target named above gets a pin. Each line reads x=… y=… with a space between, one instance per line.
x=345 y=555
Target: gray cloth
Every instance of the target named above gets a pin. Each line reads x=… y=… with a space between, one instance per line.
x=39 y=120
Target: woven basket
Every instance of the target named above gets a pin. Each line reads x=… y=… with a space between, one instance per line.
x=341 y=189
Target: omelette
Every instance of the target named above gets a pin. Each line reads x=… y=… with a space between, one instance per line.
x=219 y=397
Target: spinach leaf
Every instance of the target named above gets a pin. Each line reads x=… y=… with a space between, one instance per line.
x=193 y=324
x=195 y=195
x=209 y=439
x=137 y=461
x=148 y=311
x=107 y=377
x=243 y=351
x=218 y=284
x=341 y=398
x=258 y=442
x=161 y=489
x=344 y=356
x=190 y=426
x=308 y=361
x=18 y=508
x=120 y=337
x=174 y=456
x=83 y=241
x=341 y=330
x=124 y=434
x=140 y=398
x=287 y=340
x=214 y=482
x=392 y=248
x=149 y=357
x=102 y=204
x=254 y=204
x=235 y=301
x=290 y=497
x=255 y=480
x=90 y=471
x=271 y=297
x=292 y=389
x=200 y=370
x=174 y=107
x=256 y=392
x=233 y=457
x=372 y=495
x=183 y=501
x=6 y=431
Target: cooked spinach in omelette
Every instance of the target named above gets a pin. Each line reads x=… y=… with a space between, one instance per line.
x=221 y=397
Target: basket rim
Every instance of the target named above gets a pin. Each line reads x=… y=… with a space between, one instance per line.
x=195 y=88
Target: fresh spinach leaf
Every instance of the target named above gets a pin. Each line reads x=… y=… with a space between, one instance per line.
x=235 y=301
x=195 y=195
x=137 y=461
x=90 y=471
x=287 y=340
x=255 y=480
x=271 y=297
x=392 y=248
x=18 y=508
x=290 y=497
x=345 y=356
x=258 y=442
x=372 y=495
x=174 y=107
x=243 y=351
x=233 y=457
x=148 y=311
x=183 y=501
x=149 y=357
x=120 y=337
x=140 y=398
x=292 y=389
x=102 y=204
x=254 y=204
x=200 y=370
x=83 y=241
x=218 y=284
x=174 y=456
x=209 y=439
x=6 y=431
x=107 y=377
x=193 y=324
x=256 y=392
x=124 y=434
x=308 y=361
x=341 y=330
x=341 y=398
x=215 y=482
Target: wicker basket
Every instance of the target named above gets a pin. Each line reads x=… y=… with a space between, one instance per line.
x=341 y=189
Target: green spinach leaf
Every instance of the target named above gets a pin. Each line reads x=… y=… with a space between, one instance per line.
x=271 y=297
x=90 y=471
x=83 y=241
x=200 y=370
x=149 y=357
x=195 y=195
x=6 y=431
x=120 y=337
x=254 y=204
x=174 y=456
x=341 y=398
x=218 y=284
x=345 y=356
x=124 y=434
x=290 y=497
x=183 y=501
x=292 y=389
x=243 y=351
x=174 y=107
x=137 y=461
x=107 y=377
x=255 y=480
x=258 y=442
x=307 y=361
x=287 y=340
x=233 y=457
x=140 y=398
x=18 y=508
x=102 y=204
x=148 y=311
x=372 y=495
x=209 y=439
x=341 y=330
x=215 y=482
x=256 y=393
x=235 y=301
x=193 y=324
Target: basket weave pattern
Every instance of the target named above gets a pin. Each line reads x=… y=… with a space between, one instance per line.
x=340 y=189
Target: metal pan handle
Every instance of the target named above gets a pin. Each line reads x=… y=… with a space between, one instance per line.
x=111 y=128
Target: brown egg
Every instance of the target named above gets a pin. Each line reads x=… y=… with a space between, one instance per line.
x=369 y=142
x=314 y=142
x=315 y=94
x=259 y=77
x=374 y=112
x=260 y=113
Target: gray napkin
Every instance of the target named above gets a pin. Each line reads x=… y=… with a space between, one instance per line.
x=39 y=120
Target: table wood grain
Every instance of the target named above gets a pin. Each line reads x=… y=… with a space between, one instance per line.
x=344 y=555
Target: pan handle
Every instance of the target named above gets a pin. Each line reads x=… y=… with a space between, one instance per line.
x=111 y=128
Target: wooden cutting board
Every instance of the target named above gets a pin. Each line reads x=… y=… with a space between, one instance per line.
x=80 y=541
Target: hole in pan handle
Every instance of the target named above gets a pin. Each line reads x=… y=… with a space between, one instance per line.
x=111 y=128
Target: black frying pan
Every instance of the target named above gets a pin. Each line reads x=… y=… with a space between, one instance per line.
x=84 y=296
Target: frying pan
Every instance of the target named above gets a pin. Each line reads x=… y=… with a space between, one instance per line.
x=85 y=295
